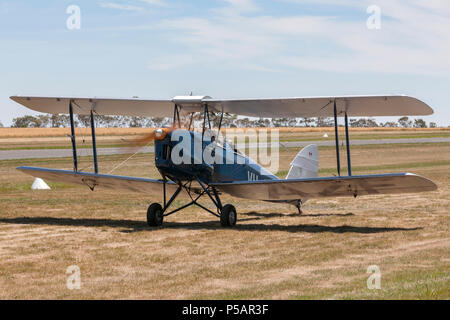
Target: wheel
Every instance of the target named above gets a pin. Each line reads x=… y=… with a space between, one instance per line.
x=155 y=215
x=228 y=216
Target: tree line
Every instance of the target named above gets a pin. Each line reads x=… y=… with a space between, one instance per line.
x=228 y=121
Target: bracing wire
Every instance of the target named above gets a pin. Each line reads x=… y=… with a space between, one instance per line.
x=124 y=161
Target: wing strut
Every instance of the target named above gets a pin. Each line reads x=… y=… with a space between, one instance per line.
x=94 y=144
x=338 y=160
x=349 y=163
x=176 y=116
x=72 y=137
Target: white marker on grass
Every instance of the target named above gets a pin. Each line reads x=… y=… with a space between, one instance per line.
x=39 y=184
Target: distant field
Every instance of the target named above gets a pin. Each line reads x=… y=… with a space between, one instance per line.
x=272 y=253
x=61 y=132
x=51 y=138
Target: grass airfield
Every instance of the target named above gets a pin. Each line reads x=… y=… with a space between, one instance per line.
x=273 y=253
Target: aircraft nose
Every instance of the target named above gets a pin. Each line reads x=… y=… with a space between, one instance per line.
x=159 y=133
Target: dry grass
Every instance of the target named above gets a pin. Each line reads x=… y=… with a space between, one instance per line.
x=272 y=253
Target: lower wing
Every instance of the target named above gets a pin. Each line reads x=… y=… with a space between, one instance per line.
x=293 y=189
x=102 y=180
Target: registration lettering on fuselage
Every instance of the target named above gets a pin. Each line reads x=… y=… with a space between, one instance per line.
x=252 y=176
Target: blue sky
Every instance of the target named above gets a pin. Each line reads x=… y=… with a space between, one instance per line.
x=225 y=49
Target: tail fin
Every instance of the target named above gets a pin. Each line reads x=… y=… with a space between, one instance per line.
x=305 y=163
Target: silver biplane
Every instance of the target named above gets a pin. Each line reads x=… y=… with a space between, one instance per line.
x=242 y=177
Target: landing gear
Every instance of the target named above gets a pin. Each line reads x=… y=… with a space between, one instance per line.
x=299 y=206
x=228 y=216
x=155 y=215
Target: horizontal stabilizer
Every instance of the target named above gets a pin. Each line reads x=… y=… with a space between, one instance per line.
x=293 y=189
x=93 y=180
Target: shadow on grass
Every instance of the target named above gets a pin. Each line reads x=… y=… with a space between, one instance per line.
x=279 y=215
x=136 y=226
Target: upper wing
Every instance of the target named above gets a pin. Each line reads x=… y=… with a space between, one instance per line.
x=83 y=106
x=355 y=106
x=102 y=180
x=293 y=189
x=270 y=108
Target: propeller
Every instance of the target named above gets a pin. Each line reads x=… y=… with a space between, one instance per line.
x=157 y=134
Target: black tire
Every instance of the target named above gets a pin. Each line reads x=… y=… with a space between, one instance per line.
x=228 y=216
x=155 y=215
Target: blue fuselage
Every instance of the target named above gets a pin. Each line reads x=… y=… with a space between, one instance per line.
x=186 y=155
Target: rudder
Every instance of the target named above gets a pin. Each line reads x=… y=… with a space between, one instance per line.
x=305 y=163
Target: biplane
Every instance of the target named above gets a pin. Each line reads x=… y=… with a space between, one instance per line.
x=241 y=176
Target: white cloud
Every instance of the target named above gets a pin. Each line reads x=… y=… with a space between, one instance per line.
x=125 y=7
x=168 y=62
x=242 y=5
x=413 y=38
x=154 y=2
x=438 y=6
x=130 y=7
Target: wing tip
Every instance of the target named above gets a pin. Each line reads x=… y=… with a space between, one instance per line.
x=431 y=185
x=427 y=110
